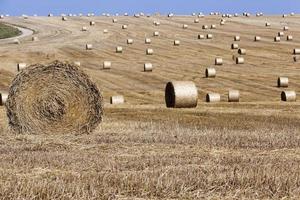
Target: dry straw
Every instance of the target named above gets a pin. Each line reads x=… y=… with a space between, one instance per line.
x=201 y=37
x=106 y=65
x=283 y=82
x=156 y=33
x=117 y=99
x=181 y=94
x=105 y=31
x=185 y=26
x=280 y=34
x=277 y=39
x=84 y=28
x=148 y=67
x=92 y=23
x=296 y=51
x=210 y=72
x=119 y=49
x=218 y=61
x=239 y=60
x=285 y=28
x=209 y=36
x=21 y=66
x=124 y=27
x=213 y=26
x=176 y=42
x=57 y=98
x=233 y=96
x=3 y=98
x=115 y=20
x=88 y=46
x=237 y=38
x=205 y=27
x=196 y=21
x=289 y=96
x=77 y=63
x=257 y=38
x=149 y=51
x=289 y=38
x=242 y=51
x=64 y=18
x=129 y=41
x=213 y=97
x=267 y=24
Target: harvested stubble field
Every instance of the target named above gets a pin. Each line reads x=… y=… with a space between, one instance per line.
x=142 y=150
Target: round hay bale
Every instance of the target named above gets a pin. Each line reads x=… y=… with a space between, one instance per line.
x=181 y=94
x=115 y=20
x=280 y=34
x=277 y=39
x=213 y=26
x=201 y=37
x=288 y=96
x=196 y=21
x=237 y=38
x=3 y=98
x=147 y=41
x=222 y=23
x=267 y=24
x=242 y=51
x=119 y=49
x=88 y=46
x=77 y=63
x=148 y=67
x=21 y=66
x=54 y=98
x=239 y=60
x=149 y=51
x=185 y=26
x=106 y=65
x=210 y=72
x=213 y=97
x=129 y=41
x=233 y=96
x=283 y=82
x=296 y=51
x=296 y=58
x=176 y=42
x=292 y=14
x=92 y=23
x=209 y=36
x=84 y=28
x=205 y=27
x=124 y=26
x=289 y=38
x=218 y=61
x=35 y=39
x=105 y=31
x=156 y=23
x=64 y=18
x=156 y=33
x=285 y=28
x=50 y=15
x=284 y=15
x=16 y=41
x=117 y=100
x=257 y=38
x=234 y=46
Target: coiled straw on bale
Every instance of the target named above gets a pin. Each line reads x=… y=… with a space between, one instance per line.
x=3 y=98
x=181 y=94
x=288 y=96
x=55 y=98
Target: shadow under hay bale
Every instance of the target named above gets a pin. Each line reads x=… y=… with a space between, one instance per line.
x=57 y=98
x=181 y=94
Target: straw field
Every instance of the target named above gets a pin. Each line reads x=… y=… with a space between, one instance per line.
x=143 y=150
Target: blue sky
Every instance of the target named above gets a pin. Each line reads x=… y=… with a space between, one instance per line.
x=43 y=7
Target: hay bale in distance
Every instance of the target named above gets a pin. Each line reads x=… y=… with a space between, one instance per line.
x=267 y=24
x=115 y=20
x=16 y=41
x=277 y=39
x=205 y=27
x=176 y=42
x=239 y=60
x=156 y=33
x=149 y=51
x=213 y=97
x=201 y=37
x=196 y=20
x=77 y=63
x=57 y=98
x=296 y=58
x=218 y=61
x=296 y=51
x=88 y=46
x=280 y=34
x=129 y=41
x=117 y=100
x=283 y=82
x=210 y=72
x=242 y=51
x=181 y=94
x=234 y=46
x=148 y=67
x=285 y=28
x=3 y=98
x=213 y=26
x=289 y=38
x=147 y=41
x=92 y=23
x=35 y=39
x=21 y=66
x=185 y=26
x=105 y=31
x=209 y=36
x=106 y=65
x=288 y=96
x=64 y=18
x=237 y=38
x=233 y=96
x=84 y=28
x=119 y=49
x=124 y=26
x=257 y=38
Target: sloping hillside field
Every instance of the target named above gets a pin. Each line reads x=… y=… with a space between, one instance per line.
x=143 y=150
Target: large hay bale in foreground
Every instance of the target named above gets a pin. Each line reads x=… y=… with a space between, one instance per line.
x=54 y=99
x=181 y=94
